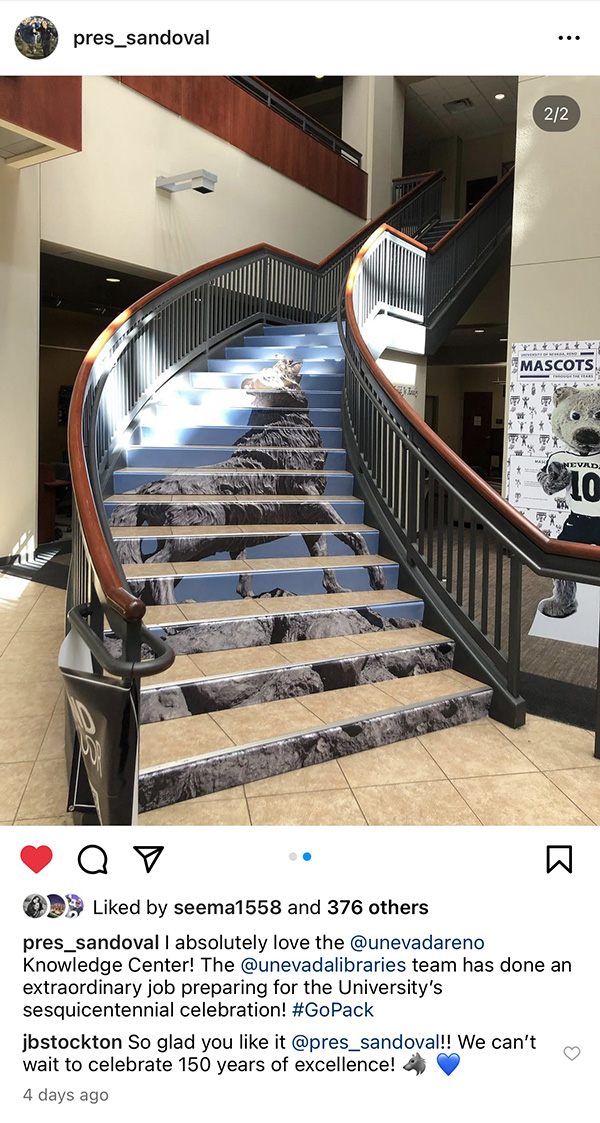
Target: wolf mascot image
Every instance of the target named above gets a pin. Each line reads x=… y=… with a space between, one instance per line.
x=576 y=471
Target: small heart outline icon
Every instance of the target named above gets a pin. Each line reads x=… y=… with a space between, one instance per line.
x=571 y=1052
x=448 y=1062
x=36 y=858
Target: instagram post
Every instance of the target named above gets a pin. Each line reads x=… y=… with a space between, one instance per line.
x=299 y=534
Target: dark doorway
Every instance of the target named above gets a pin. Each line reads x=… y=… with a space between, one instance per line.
x=477 y=429
x=432 y=411
x=477 y=188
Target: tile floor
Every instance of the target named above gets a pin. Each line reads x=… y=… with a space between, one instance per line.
x=480 y=773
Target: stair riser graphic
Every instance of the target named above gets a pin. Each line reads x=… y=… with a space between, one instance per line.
x=248 y=418
x=282 y=436
x=226 y=512
x=221 y=548
x=163 y=703
x=333 y=460
x=213 y=381
x=160 y=787
x=204 y=636
x=255 y=366
x=270 y=355
x=231 y=483
x=257 y=399
x=327 y=327
x=227 y=586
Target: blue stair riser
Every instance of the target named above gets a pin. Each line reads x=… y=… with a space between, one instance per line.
x=328 y=327
x=212 y=380
x=224 y=586
x=250 y=418
x=270 y=355
x=153 y=436
x=224 y=512
x=222 y=482
x=209 y=695
x=255 y=399
x=202 y=636
x=178 y=456
x=282 y=341
x=254 y=366
x=222 y=548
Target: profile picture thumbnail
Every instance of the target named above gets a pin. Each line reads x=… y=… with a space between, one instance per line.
x=75 y=905
x=57 y=906
x=36 y=37
x=35 y=906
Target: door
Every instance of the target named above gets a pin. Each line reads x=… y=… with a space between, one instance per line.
x=477 y=188
x=477 y=429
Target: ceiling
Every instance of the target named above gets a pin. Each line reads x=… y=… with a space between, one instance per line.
x=427 y=118
x=78 y=286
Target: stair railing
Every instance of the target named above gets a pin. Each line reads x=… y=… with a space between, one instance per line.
x=463 y=545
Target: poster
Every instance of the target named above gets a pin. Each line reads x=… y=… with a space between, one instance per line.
x=547 y=377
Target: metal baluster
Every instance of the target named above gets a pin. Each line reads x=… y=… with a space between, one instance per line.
x=472 y=564
x=450 y=544
x=460 y=553
x=498 y=598
x=514 y=625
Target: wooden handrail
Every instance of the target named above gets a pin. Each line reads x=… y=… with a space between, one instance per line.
x=121 y=600
x=515 y=518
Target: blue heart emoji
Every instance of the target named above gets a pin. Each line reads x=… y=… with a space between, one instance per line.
x=448 y=1062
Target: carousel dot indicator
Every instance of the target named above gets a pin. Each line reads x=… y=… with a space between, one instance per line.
x=307 y=856
x=292 y=857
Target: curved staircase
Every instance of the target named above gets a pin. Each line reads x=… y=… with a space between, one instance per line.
x=236 y=522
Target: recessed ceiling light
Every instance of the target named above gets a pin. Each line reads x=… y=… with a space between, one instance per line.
x=319 y=77
x=504 y=339
x=479 y=331
x=499 y=97
x=114 y=280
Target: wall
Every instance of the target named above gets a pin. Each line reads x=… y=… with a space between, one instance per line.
x=450 y=383
x=103 y=201
x=555 y=265
x=19 y=281
x=373 y=122
x=484 y=157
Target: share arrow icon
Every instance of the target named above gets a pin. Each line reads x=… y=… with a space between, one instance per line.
x=149 y=855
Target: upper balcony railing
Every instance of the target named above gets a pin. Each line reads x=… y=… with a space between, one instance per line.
x=291 y=113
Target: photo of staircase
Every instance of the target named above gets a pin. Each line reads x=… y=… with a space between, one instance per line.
x=244 y=537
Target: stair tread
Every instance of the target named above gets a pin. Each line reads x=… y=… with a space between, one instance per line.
x=225 y=470
x=274 y=530
x=224 y=664
x=197 y=611
x=165 y=742
x=149 y=497
x=254 y=565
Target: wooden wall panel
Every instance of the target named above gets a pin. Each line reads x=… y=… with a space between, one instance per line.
x=222 y=108
x=50 y=107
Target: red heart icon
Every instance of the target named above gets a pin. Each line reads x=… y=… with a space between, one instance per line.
x=36 y=857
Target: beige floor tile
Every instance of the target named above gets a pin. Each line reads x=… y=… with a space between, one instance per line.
x=315 y=778
x=13 y=589
x=182 y=669
x=551 y=744
x=528 y=799
x=179 y=739
x=53 y=744
x=17 y=699
x=335 y=600
x=163 y=614
x=58 y=821
x=333 y=527
x=430 y=804
x=399 y=637
x=308 y=809
x=236 y=661
x=20 y=738
x=221 y=609
x=329 y=560
x=34 y=666
x=266 y=721
x=13 y=780
x=46 y=791
x=350 y=702
x=476 y=748
x=203 y=812
x=311 y=650
x=421 y=688
x=582 y=785
x=400 y=763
